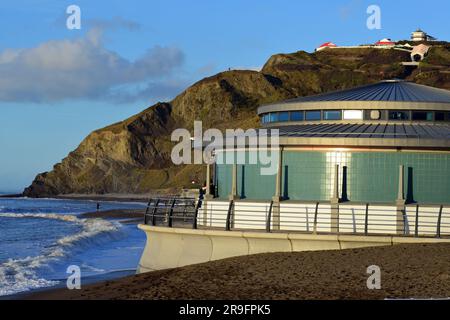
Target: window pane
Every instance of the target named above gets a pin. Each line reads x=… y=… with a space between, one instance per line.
x=283 y=116
x=353 y=115
x=312 y=115
x=297 y=116
x=398 y=115
x=274 y=117
x=332 y=115
x=439 y=116
x=422 y=116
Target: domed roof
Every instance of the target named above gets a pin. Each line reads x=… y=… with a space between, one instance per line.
x=395 y=94
x=390 y=90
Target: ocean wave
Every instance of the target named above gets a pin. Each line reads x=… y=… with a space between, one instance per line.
x=17 y=275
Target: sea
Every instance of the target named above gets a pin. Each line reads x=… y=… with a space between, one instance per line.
x=40 y=239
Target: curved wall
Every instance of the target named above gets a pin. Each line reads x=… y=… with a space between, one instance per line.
x=365 y=176
x=170 y=247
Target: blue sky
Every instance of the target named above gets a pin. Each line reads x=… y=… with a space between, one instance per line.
x=57 y=85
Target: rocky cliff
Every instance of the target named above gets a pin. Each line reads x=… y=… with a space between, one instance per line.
x=133 y=156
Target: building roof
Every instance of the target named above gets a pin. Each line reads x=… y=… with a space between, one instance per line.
x=391 y=90
x=390 y=94
x=385 y=42
x=366 y=135
x=327 y=44
x=421 y=49
x=369 y=130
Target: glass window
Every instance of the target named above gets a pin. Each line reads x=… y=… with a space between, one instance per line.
x=332 y=115
x=297 y=116
x=398 y=115
x=422 y=116
x=312 y=115
x=439 y=116
x=283 y=116
x=442 y=116
x=273 y=117
x=353 y=115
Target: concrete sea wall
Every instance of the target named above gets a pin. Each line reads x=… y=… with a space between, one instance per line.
x=176 y=247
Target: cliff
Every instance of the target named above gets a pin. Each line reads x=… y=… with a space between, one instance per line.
x=133 y=156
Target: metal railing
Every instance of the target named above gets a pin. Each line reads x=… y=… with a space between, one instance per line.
x=172 y=211
x=316 y=218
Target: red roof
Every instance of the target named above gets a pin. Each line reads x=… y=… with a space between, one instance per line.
x=328 y=44
x=385 y=42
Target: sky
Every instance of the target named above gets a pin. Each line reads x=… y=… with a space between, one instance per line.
x=59 y=84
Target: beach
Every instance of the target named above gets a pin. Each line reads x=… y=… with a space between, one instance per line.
x=420 y=271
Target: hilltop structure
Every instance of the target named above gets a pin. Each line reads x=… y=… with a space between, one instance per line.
x=387 y=43
x=420 y=36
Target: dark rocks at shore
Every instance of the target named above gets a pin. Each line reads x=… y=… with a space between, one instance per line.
x=116 y=214
x=11 y=195
x=407 y=271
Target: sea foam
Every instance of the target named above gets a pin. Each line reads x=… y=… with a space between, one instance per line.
x=18 y=275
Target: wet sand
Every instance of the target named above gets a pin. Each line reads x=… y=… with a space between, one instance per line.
x=407 y=271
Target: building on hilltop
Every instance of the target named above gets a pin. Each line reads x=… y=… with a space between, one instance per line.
x=419 y=52
x=420 y=35
x=326 y=45
x=385 y=42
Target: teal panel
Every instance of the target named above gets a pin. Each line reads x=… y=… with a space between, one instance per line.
x=305 y=176
x=223 y=173
x=371 y=176
x=253 y=185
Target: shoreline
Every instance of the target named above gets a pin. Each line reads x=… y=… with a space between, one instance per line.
x=131 y=216
x=407 y=271
x=80 y=197
x=115 y=214
x=106 y=197
x=90 y=280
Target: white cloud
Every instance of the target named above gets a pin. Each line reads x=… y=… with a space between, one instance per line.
x=81 y=69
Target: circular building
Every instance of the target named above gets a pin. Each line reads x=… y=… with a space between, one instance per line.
x=384 y=143
x=369 y=166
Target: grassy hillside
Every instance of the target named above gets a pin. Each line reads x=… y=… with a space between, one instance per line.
x=133 y=156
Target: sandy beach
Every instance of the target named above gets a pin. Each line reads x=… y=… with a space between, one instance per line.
x=407 y=271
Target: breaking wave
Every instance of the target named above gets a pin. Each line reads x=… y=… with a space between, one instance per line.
x=18 y=275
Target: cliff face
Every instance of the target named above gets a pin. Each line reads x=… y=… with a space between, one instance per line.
x=133 y=156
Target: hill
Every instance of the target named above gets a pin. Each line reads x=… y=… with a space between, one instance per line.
x=133 y=156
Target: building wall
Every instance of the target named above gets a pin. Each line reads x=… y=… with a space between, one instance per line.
x=371 y=177
x=250 y=183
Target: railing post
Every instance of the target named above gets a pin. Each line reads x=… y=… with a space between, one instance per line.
x=146 y=212
x=155 y=209
x=366 y=222
x=228 y=222
x=169 y=220
x=315 y=218
x=438 y=231
x=269 y=217
x=197 y=207
x=405 y=222
x=416 y=227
